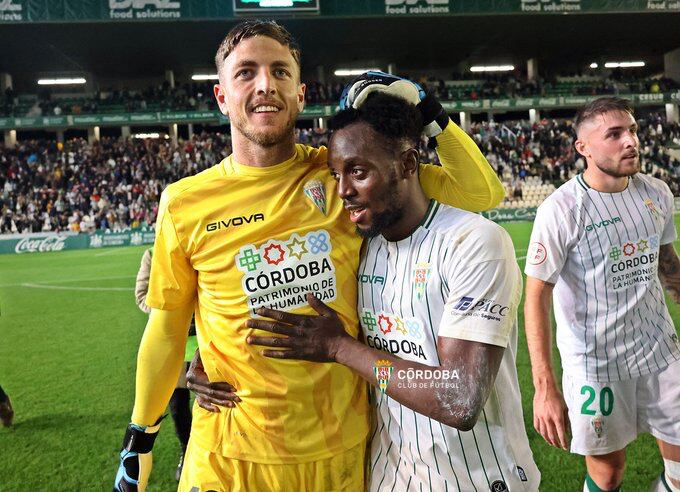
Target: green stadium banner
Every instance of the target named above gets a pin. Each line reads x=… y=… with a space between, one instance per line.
x=510 y=214
x=51 y=241
x=215 y=117
x=27 y=11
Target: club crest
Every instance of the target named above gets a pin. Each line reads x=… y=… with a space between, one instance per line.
x=383 y=371
x=651 y=207
x=316 y=192
x=420 y=275
x=597 y=422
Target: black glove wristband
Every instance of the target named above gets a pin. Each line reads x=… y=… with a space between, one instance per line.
x=432 y=110
x=137 y=440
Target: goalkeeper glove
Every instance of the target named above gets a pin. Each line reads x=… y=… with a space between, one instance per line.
x=135 y=458
x=355 y=93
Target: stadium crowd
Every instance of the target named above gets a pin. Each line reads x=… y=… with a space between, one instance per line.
x=198 y=96
x=116 y=183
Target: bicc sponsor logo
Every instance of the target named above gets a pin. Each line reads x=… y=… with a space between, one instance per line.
x=483 y=308
x=233 y=222
x=604 y=223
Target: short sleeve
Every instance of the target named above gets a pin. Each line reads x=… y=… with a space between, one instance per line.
x=173 y=280
x=484 y=289
x=549 y=244
x=669 y=233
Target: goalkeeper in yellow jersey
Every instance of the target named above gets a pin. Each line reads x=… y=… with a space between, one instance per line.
x=261 y=229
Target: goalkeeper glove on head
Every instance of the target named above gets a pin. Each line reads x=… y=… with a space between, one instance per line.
x=357 y=91
x=135 y=458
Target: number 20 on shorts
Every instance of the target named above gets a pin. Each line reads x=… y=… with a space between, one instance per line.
x=606 y=400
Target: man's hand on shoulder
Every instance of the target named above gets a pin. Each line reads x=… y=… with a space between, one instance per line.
x=316 y=338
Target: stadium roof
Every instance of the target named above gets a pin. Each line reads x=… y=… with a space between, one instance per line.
x=140 y=50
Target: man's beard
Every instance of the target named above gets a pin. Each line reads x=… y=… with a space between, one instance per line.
x=616 y=173
x=266 y=139
x=382 y=221
x=388 y=217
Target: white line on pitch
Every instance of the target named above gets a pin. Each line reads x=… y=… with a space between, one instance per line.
x=63 y=287
x=116 y=250
x=68 y=280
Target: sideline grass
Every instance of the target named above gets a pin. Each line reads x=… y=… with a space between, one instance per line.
x=67 y=354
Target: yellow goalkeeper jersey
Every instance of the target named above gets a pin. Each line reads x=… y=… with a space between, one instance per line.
x=234 y=238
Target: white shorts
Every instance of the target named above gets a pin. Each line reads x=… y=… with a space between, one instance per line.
x=607 y=416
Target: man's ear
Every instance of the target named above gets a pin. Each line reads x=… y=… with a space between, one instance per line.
x=581 y=147
x=301 y=96
x=410 y=161
x=221 y=97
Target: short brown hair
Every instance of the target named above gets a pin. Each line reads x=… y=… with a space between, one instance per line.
x=599 y=106
x=252 y=28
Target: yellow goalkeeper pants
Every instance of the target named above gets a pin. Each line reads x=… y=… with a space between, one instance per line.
x=205 y=471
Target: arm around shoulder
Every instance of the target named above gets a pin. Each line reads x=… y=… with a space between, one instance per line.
x=466 y=179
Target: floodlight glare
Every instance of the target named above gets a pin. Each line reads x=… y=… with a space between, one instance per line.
x=349 y=72
x=206 y=76
x=149 y=135
x=74 y=81
x=624 y=64
x=594 y=65
x=492 y=68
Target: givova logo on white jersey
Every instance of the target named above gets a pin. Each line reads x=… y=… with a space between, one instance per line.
x=279 y=273
x=10 y=11
x=405 y=7
x=144 y=9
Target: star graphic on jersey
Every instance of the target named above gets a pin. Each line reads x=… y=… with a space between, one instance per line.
x=274 y=258
x=642 y=245
x=297 y=248
x=629 y=249
x=385 y=324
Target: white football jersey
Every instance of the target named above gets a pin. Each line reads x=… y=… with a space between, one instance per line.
x=601 y=251
x=455 y=276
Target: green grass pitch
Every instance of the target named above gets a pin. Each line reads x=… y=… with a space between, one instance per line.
x=69 y=332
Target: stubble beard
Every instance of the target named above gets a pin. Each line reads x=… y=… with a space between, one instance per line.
x=266 y=138
x=388 y=217
x=617 y=171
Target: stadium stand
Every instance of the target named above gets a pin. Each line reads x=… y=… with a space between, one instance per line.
x=116 y=183
x=199 y=96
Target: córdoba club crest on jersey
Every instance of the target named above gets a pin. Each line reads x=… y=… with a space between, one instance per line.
x=316 y=192
x=383 y=370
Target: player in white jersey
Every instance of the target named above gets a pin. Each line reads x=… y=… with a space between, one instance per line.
x=601 y=247
x=438 y=295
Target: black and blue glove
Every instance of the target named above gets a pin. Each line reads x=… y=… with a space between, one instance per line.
x=135 y=458
x=355 y=93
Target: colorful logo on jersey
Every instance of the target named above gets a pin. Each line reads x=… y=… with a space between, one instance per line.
x=597 y=422
x=420 y=275
x=391 y=323
x=537 y=253
x=280 y=272
x=651 y=207
x=383 y=371
x=316 y=192
x=633 y=248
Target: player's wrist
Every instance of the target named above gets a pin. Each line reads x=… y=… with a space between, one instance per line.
x=342 y=349
x=545 y=383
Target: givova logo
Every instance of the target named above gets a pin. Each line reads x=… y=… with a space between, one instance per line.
x=405 y=7
x=603 y=223
x=144 y=9
x=10 y=11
